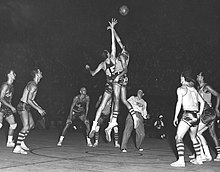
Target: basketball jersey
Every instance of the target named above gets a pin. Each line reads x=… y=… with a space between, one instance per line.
x=109 y=70
x=207 y=96
x=80 y=105
x=26 y=91
x=8 y=93
x=190 y=99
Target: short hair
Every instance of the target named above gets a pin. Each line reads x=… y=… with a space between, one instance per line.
x=105 y=54
x=8 y=71
x=188 y=75
x=34 y=72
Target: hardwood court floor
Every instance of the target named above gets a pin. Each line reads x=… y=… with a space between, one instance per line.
x=75 y=156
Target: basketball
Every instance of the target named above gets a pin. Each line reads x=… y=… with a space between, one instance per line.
x=123 y=10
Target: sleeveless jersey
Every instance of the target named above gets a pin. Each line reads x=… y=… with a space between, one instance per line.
x=109 y=70
x=80 y=105
x=24 y=97
x=190 y=99
x=8 y=93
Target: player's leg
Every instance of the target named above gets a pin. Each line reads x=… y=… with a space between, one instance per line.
x=12 y=126
x=140 y=132
x=69 y=120
x=128 y=105
x=105 y=99
x=87 y=124
x=127 y=133
x=182 y=128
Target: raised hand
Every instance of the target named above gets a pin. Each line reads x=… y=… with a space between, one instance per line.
x=112 y=24
x=87 y=67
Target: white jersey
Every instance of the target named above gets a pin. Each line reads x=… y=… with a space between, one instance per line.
x=138 y=105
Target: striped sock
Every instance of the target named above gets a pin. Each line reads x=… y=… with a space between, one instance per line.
x=21 y=138
x=96 y=136
x=116 y=136
x=218 y=150
x=115 y=116
x=196 y=147
x=131 y=111
x=180 y=149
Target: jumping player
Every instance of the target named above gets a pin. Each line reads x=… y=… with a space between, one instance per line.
x=79 y=109
x=108 y=66
x=140 y=108
x=189 y=99
x=119 y=88
x=26 y=102
x=105 y=116
x=6 y=108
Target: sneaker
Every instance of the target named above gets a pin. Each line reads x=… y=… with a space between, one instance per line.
x=10 y=144
x=117 y=145
x=108 y=134
x=217 y=158
x=19 y=150
x=95 y=144
x=89 y=144
x=124 y=150
x=93 y=129
x=141 y=149
x=23 y=146
x=178 y=164
x=197 y=161
x=208 y=158
x=59 y=144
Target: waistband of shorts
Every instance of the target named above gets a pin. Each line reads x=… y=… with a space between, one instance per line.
x=191 y=111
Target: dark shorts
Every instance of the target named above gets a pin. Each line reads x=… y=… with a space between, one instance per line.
x=23 y=106
x=109 y=87
x=190 y=117
x=103 y=118
x=208 y=116
x=77 y=114
x=6 y=111
x=123 y=81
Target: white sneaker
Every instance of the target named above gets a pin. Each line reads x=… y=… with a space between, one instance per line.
x=10 y=144
x=197 y=161
x=108 y=130
x=141 y=149
x=217 y=158
x=124 y=150
x=178 y=164
x=89 y=144
x=19 y=150
x=23 y=146
x=117 y=145
x=95 y=144
x=59 y=144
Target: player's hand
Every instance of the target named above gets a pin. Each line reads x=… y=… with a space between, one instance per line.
x=13 y=109
x=42 y=112
x=112 y=24
x=175 y=122
x=87 y=67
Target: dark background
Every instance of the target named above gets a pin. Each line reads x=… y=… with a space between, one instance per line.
x=61 y=36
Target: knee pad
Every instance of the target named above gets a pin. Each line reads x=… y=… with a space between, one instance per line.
x=13 y=126
x=1 y=125
x=178 y=139
x=86 y=122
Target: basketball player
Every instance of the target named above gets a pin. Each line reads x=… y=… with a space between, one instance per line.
x=119 y=88
x=105 y=116
x=26 y=102
x=140 y=108
x=6 y=108
x=188 y=99
x=108 y=66
x=79 y=109
x=208 y=118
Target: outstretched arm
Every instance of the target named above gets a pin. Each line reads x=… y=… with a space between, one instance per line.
x=119 y=40
x=93 y=73
x=111 y=26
